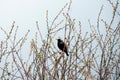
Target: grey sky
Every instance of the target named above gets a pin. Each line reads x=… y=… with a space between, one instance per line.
x=26 y=12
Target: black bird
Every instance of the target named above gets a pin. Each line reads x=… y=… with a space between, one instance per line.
x=62 y=46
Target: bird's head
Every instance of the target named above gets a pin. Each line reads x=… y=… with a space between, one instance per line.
x=59 y=40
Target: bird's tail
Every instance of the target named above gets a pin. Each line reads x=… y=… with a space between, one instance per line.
x=67 y=54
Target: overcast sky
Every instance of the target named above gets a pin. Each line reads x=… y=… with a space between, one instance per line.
x=26 y=12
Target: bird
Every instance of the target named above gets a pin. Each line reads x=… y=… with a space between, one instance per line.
x=62 y=46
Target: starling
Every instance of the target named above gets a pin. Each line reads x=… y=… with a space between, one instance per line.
x=62 y=46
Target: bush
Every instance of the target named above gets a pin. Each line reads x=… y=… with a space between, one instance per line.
x=93 y=55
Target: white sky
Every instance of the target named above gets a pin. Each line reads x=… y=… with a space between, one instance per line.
x=26 y=12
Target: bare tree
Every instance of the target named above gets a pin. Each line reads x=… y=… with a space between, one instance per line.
x=93 y=56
